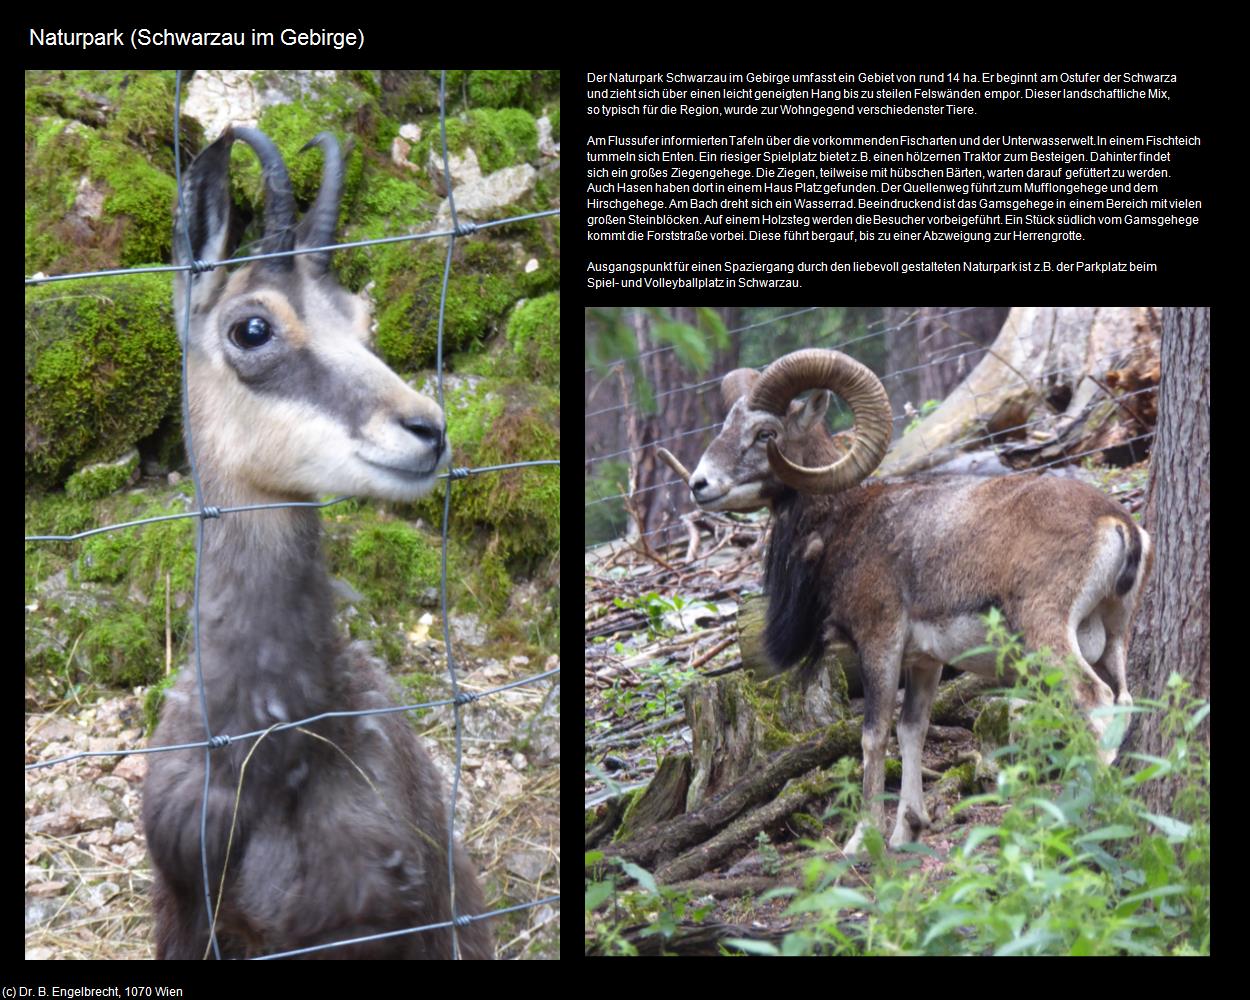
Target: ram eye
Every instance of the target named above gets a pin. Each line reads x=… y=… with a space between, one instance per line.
x=250 y=333
x=765 y=435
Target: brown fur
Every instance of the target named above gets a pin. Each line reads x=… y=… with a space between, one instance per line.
x=907 y=567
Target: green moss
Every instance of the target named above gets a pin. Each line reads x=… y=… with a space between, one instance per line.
x=57 y=514
x=400 y=202
x=486 y=279
x=495 y=88
x=491 y=582
x=962 y=777
x=102 y=370
x=396 y=568
x=142 y=558
x=501 y=137
x=120 y=649
x=393 y=563
x=144 y=115
x=56 y=240
x=153 y=700
x=141 y=195
x=411 y=94
x=534 y=333
x=106 y=558
x=92 y=150
x=291 y=127
x=498 y=88
x=104 y=621
x=510 y=519
x=368 y=81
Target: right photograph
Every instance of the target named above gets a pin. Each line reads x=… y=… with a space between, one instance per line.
x=885 y=583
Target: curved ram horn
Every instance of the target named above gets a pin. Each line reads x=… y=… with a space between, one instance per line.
x=737 y=384
x=786 y=377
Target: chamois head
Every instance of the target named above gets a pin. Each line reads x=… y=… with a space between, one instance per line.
x=770 y=443
x=286 y=399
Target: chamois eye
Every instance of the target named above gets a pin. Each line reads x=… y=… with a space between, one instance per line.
x=250 y=333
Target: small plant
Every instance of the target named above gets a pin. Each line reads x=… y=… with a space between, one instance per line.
x=770 y=857
x=668 y=679
x=1077 y=864
x=657 y=699
x=658 y=907
x=927 y=407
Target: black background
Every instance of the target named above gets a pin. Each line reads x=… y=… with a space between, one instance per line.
x=1183 y=254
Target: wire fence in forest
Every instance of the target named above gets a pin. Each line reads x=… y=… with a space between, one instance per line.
x=690 y=441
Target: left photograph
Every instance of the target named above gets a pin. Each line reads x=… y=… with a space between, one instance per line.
x=292 y=346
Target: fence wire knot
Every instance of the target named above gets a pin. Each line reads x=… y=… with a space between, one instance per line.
x=465 y=229
x=217 y=742
x=466 y=697
x=458 y=473
x=200 y=266
x=207 y=512
x=462 y=921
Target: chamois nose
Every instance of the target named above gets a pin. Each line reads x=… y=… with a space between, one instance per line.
x=429 y=432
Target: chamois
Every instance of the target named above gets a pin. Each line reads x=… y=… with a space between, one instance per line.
x=341 y=834
x=905 y=568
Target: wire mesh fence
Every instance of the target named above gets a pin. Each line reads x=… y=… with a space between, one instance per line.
x=459 y=230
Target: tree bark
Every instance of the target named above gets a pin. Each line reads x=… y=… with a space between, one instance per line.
x=1173 y=625
x=933 y=349
x=1045 y=383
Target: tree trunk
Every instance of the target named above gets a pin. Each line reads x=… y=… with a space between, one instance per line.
x=1045 y=390
x=682 y=405
x=933 y=349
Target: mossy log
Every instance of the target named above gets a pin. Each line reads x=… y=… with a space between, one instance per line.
x=838 y=655
x=664 y=798
x=666 y=841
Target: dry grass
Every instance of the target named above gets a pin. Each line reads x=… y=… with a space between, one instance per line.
x=87 y=874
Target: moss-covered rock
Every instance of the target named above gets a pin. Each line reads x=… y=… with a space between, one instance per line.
x=393 y=563
x=486 y=279
x=501 y=137
x=96 y=609
x=120 y=649
x=102 y=370
x=510 y=520
x=534 y=333
x=94 y=481
x=99 y=184
x=291 y=126
x=499 y=88
x=147 y=559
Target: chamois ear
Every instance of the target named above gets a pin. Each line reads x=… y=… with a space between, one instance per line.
x=812 y=410
x=204 y=225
